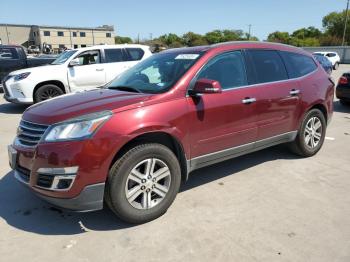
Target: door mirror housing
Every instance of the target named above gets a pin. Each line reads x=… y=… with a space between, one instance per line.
x=74 y=62
x=206 y=86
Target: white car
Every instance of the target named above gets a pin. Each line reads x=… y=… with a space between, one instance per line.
x=332 y=56
x=73 y=71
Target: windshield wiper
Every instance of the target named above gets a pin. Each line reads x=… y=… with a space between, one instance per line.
x=126 y=88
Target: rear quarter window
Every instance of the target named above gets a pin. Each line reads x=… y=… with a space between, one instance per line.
x=298 y=65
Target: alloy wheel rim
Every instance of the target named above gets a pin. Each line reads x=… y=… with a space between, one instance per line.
x=49 y=93
x=148 y=183
x=313 y=132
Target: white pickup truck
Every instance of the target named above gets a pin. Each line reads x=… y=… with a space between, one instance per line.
x=74 y=70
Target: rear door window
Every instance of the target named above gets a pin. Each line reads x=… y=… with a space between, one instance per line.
x=228 y=69
x=114 y=55
x=298 y=65
x=268 y=65
x=8 y=53
x=135 y=54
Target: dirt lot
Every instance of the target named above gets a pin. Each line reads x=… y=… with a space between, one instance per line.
x=266 y=206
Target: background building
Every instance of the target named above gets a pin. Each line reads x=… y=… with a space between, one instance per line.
x=57 y=37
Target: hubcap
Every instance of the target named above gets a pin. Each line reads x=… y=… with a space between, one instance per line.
x=313 y=132
x=148 y=183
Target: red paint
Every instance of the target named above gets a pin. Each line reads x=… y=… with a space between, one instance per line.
x=202 y=125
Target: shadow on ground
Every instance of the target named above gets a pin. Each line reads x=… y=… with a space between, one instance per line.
x=338 y=107
x=21 y=209
x=9 y=108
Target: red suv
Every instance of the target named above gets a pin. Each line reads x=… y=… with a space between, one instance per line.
x=131 y=143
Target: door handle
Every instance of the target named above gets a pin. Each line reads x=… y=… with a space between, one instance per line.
x=294 y=92
x=248 y=100
x=99 y=69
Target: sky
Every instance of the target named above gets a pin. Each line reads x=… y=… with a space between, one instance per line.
x=158 y=17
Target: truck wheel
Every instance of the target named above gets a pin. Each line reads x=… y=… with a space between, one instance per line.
x=336 y=66
x=46 y=92
x=143 y=183
x=311 y=134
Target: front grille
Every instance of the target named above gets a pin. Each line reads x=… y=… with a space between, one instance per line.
x=29 y=134
x=24 y=173
x=45 y=180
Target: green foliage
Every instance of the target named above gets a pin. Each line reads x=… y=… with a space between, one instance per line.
x=334 y=27
x=122 y=40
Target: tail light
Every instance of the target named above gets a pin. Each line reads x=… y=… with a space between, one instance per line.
x=343 y=81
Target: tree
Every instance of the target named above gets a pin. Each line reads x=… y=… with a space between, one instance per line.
x=310 y=32
x=122 y=40
x=193 y=39
x=334 y=26
x=279 y=37
x=171 y=40
x=214 y=37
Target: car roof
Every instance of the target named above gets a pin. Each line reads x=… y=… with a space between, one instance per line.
x=112 y=46
x=240 y=45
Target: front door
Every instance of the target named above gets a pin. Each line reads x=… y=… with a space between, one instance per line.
x=89 y=74
x=222 y=122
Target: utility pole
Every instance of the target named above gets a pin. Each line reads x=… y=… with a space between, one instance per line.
x=346 y=22
x=250 y=26
x=7 y=34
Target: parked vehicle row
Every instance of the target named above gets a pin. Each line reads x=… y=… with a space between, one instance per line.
x=132 y=143
x=75 y=70
x=325 y=63
x=331 y=56
x=14 y=57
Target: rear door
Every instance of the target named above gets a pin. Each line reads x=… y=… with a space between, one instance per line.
x=278 y=100
x=222 y=121
x=89 y=74
x=114 y=62
x=10 y=60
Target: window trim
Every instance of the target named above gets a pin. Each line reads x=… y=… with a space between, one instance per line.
x=80 y=34
x=46 y=33
x=247 y=64
x=59 y=33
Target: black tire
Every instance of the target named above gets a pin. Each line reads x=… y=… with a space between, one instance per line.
x=336 y=66
x=115 y=195
x=46 y=92
x=344 y=102
x=299 y=146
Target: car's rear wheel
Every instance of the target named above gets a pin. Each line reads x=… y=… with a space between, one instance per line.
x=311 y=134
x=336 y=66
x=46 y=92
x=143 y=183
x=344 y=102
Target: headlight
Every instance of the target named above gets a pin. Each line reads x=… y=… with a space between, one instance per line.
x=77 y=128
x=21 y=76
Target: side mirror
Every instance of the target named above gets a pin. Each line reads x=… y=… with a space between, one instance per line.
x=74 y=62
x=206 y=86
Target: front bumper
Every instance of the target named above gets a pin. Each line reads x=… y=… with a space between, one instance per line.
x=17 y=92
x=89 y=199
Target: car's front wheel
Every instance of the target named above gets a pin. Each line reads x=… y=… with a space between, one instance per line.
x=46 y=92
x=311 y=134
x=143 y=183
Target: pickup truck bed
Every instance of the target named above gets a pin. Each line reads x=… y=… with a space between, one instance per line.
x=14 y=58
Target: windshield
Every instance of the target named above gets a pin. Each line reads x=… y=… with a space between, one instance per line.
x=156 y=74
x=63 y=57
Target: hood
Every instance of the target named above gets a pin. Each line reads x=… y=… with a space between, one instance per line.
x=37 y=69
x=73 y=105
